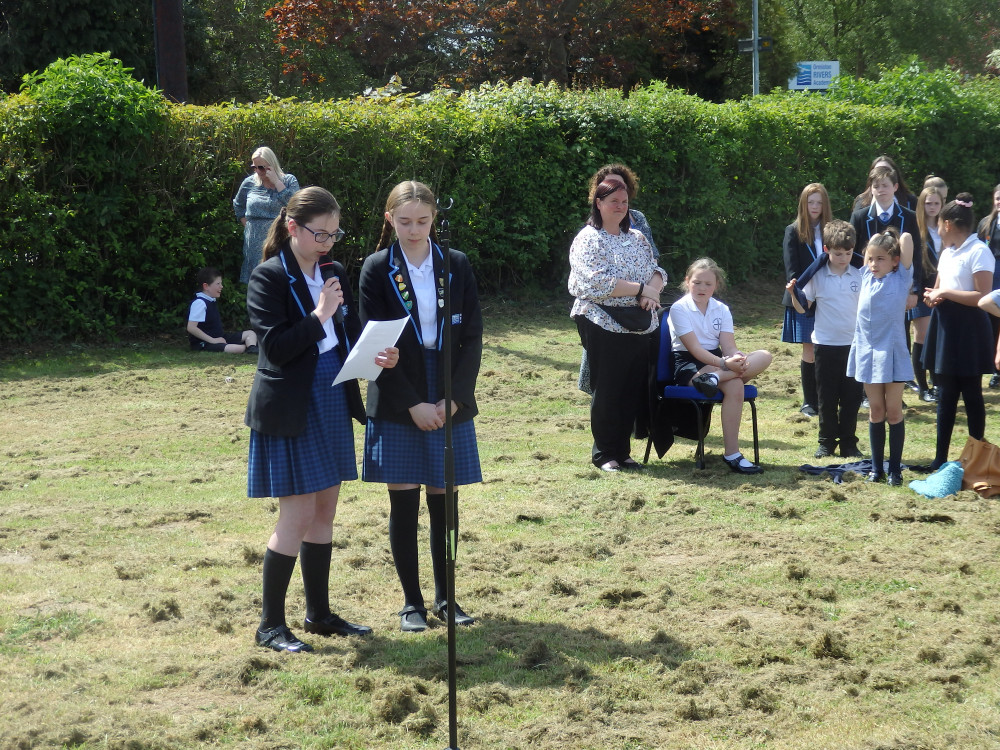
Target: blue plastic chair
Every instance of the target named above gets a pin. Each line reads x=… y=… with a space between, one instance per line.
x=668 y=390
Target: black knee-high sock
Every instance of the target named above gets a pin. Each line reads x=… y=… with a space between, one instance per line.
x=947 y=407
x=916 y=357
x=807 y=370
x=897 y=435
x=277 y=574
x=876 y=438
x=314 y=561
x=439 y=540
x=404 y=508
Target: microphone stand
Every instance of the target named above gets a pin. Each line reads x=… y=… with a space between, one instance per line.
x=451 y=546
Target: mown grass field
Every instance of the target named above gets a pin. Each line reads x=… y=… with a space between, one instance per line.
x=673 y=608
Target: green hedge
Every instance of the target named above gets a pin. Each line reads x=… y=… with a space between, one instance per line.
x=111 y=198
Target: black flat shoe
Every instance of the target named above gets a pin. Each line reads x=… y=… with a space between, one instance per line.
x=735 y=465
x=280 y=639
x=895 y=479
x=808 y=410
x=822 y=452
x=461 y=619
x=874 y=477
x=610 y=466
x=412 y=619
x=334 y=624
x=630 y=464
x=705 y=384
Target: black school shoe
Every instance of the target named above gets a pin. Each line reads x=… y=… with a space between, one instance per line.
x=461 y=619
x=875 y=476
x=705 y=384
x=735 y=465
x=280 y=638
x=412 y=619
x=895 y=479
x=334 y=624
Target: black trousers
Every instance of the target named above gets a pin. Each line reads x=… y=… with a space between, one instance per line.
x=839 y=398
x=619 y=366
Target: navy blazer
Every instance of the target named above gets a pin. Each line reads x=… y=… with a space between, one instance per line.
x=385 y=289
x=866 y=223
x=280 y=308
x=798 y=257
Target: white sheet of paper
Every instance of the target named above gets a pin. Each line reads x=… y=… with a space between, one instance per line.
x=378 y=334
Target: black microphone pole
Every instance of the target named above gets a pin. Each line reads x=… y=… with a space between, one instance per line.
x=451 y=546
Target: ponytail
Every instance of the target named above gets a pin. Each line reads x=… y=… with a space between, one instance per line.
x=959 y=213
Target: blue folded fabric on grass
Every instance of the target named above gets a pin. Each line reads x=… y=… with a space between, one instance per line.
x=945 y=481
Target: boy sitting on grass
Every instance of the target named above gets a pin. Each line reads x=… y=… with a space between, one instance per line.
x=204 y=324
x=834 y=288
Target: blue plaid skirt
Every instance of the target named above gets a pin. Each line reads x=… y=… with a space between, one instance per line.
x=404 y=454
x=797 y=328
x=321 y=456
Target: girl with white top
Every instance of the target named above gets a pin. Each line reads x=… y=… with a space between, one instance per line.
x=959 y=341
x=706 y=356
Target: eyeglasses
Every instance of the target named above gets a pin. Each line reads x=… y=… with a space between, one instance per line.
x=323 y=237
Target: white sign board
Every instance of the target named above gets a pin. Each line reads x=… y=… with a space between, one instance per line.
x=815 y=74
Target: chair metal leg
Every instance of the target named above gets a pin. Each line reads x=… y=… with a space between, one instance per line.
x=699 y=456
x=756 y=445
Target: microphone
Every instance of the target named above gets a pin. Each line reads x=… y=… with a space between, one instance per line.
x=327 y=272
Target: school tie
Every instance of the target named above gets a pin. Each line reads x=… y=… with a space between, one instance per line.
x=884 y=217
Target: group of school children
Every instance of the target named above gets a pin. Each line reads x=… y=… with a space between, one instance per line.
x=853 y=289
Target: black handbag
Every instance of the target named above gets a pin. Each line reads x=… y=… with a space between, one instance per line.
x=631 y=318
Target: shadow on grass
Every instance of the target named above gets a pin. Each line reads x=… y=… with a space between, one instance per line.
x=520 y=654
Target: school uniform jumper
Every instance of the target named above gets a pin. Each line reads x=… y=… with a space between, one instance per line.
x=396 y=450
x=301 y=439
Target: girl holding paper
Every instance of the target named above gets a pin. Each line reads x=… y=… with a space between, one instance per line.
x=404 y=439
x=301 y=441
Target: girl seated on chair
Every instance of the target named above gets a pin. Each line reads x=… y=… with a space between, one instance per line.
x=706 y=357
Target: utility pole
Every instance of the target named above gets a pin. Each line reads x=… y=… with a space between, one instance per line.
x=756 y=52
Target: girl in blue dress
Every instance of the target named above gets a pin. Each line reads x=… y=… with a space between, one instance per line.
x=878 y=356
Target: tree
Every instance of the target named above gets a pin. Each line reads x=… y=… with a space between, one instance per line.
x=865 y=35
x=34 y=34
x=465 y=42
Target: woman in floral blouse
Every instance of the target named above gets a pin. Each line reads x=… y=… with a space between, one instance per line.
x=617 y=285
